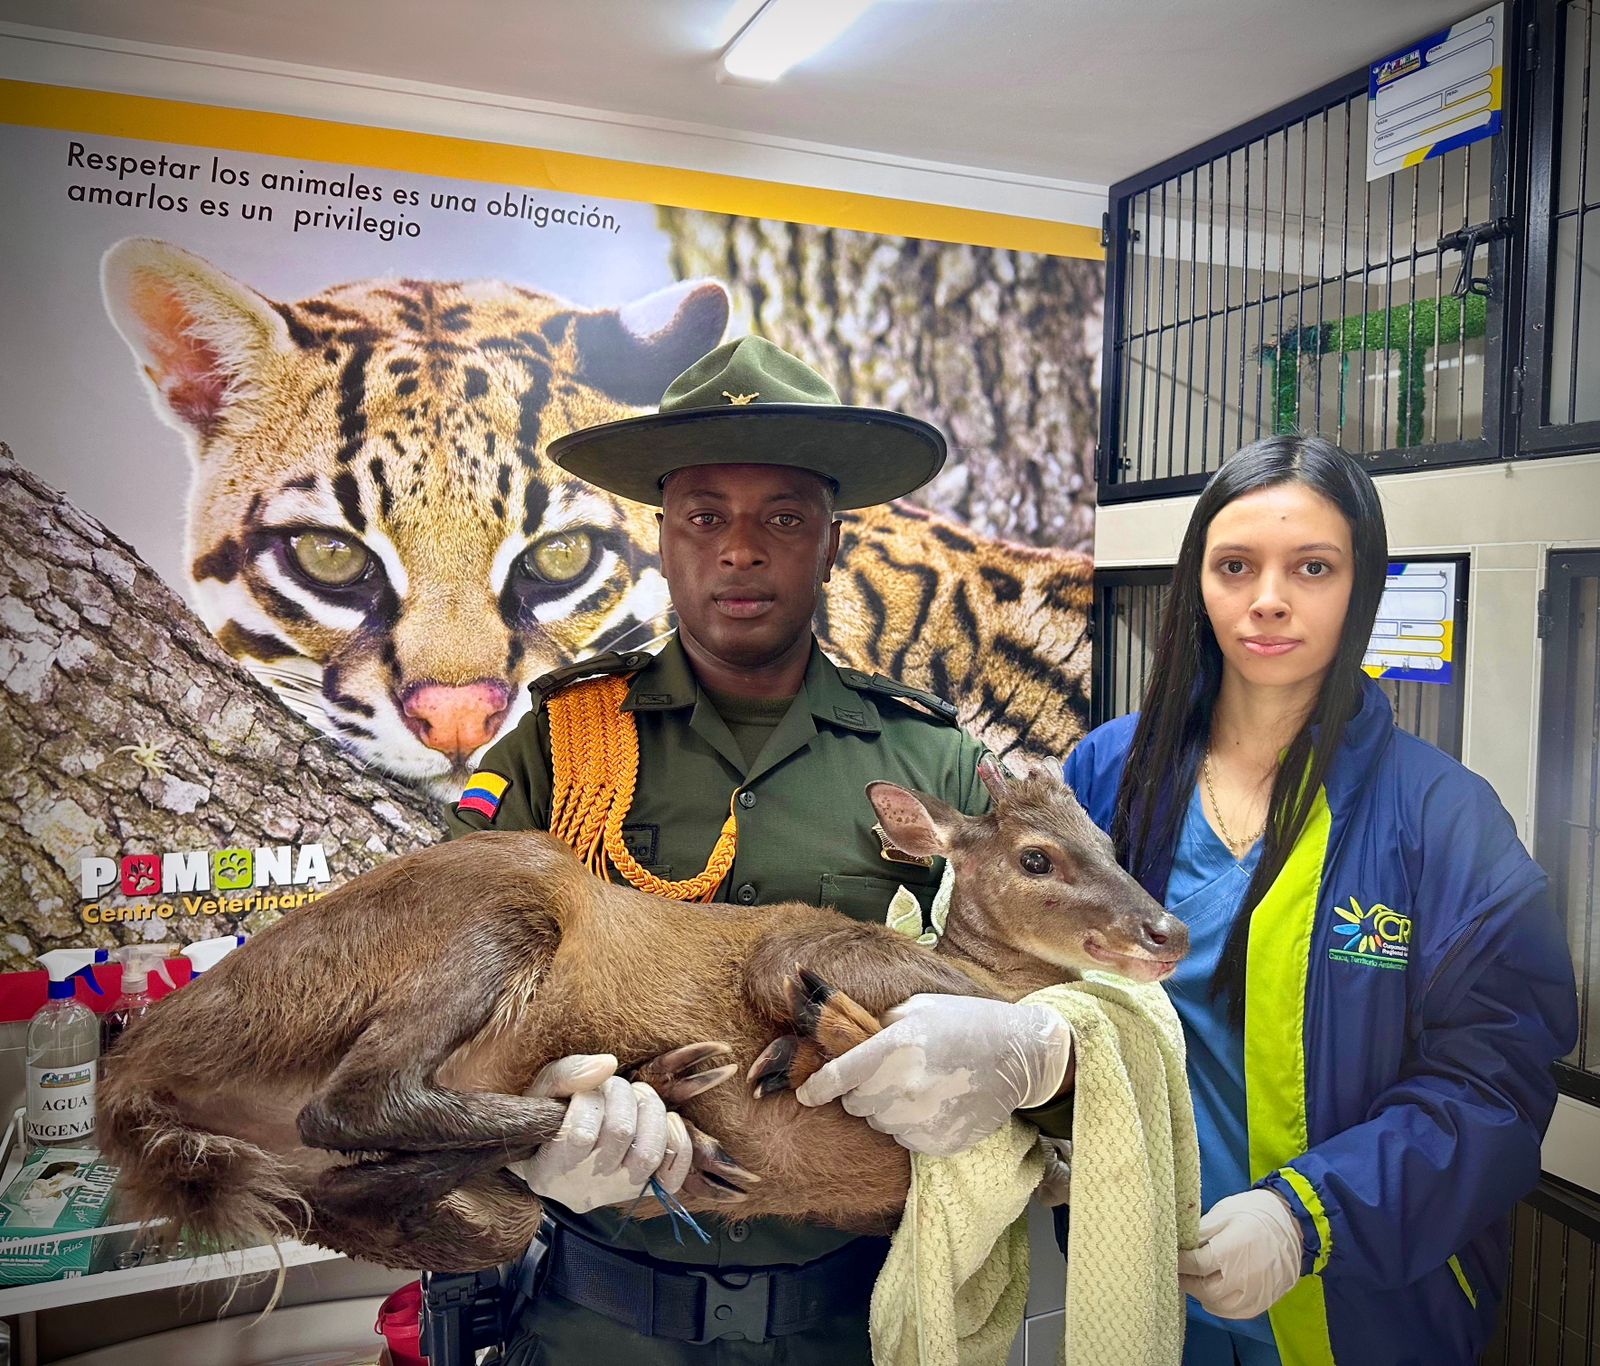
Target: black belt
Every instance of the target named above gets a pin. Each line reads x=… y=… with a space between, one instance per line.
x=699 y=1305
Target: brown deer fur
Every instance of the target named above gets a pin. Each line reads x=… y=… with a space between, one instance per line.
x=353 y=1075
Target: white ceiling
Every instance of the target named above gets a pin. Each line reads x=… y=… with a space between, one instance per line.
x=1076 y=90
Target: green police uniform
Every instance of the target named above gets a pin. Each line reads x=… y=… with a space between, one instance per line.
x=805 y=833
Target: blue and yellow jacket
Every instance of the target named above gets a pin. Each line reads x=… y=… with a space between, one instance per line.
x=1408 y=987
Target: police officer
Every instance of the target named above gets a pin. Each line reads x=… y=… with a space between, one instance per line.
x=753 y=753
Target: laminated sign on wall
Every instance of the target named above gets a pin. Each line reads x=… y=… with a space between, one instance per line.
x=1414 y=635
x=1436 y=94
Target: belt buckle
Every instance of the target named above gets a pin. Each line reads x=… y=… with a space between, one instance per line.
x=733 y=1308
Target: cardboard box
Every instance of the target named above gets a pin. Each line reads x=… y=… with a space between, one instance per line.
x=49 y=1212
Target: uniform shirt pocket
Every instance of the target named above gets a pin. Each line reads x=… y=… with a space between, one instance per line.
x=868 y=898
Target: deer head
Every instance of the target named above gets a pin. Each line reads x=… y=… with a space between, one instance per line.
x=1036 y=879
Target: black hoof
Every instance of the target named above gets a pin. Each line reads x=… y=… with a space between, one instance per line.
x=808 y=994
x=771 y=1072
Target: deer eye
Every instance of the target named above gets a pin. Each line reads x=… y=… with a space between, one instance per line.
x=1035 y=862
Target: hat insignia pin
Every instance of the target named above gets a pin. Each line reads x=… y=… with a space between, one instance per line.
x=739 y=400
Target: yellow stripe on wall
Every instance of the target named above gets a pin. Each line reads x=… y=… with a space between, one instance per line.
x=103 y=114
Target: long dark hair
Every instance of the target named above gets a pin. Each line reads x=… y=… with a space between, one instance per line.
x=1186 y=674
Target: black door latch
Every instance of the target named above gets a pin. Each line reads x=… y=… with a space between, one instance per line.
x=1466 y=241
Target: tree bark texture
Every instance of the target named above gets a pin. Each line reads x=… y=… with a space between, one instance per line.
x=97 y=654
x=1001 y=349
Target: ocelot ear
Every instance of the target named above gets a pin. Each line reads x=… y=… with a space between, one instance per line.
x=632 y=353
x=197 y=333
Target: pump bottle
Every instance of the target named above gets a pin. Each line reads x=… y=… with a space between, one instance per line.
x=138 y=962
x=63 y=1054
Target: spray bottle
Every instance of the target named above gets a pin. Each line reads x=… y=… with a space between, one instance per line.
x=64 y=1053
x=138 y=962
x=205 y=954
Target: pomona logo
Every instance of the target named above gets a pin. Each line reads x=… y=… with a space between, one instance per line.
x=204 y=870
x=202 y=882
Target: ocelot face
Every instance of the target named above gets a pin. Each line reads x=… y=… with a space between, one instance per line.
x=373 y=528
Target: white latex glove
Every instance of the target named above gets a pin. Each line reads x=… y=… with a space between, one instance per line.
x=1055 y=1186
x=1248 y=1258
x=948 y=1071
x=616 y=1136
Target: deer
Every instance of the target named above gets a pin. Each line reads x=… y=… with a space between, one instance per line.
x=353 y=1075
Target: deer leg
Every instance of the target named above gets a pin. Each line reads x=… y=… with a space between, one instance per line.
x=384 y=1094
x=437 y=1211
x=678 y=1077
x=874 y=965
x=828 y=1023
x=829 y=989
x=682 y=1074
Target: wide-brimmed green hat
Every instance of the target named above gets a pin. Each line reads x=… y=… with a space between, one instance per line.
x=750 y=403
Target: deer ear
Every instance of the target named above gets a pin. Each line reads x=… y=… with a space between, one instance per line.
x=994 y=778
x=199 y=335
x=632 y=353
x=918 y=824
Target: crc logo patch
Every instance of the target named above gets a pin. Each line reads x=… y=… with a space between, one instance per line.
x=1377 y=937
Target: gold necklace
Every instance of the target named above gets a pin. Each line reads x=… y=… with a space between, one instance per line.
x=1235 y=847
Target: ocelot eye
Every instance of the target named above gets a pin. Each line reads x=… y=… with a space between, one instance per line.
x=1035 y=862
x=561 y=557
x=329 y=559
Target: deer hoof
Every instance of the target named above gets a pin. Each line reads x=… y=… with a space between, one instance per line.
x=680 y=1075
x=715 y=1175
x=773 y=1070
x=807 y=995
x=823 y=1013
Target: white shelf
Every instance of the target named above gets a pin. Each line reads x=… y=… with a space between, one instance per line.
x=24 y=1299
x=133 y=1280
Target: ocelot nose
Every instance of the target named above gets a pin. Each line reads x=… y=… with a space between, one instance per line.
x=455 y=719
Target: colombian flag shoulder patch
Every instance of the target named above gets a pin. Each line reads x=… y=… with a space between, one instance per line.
x=483 y=794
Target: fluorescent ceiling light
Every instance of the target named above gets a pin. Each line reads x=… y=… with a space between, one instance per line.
x=786 y=32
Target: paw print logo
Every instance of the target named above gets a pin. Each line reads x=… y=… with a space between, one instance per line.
x=141 y=874
x=232 y=869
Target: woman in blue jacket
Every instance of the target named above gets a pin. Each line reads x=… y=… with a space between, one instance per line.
x=1377 y=984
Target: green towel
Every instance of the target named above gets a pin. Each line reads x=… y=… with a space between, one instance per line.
x=955 y=1284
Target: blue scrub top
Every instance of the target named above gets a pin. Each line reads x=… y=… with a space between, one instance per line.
x=1205 y=891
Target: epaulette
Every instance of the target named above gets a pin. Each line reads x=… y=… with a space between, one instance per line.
x=901 y=692
x=596 y=666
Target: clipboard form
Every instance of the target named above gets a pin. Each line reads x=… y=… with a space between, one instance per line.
x=1413 y=637
x=1437 y=94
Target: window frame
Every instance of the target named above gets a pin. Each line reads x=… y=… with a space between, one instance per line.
x=1558 y=721
x=1102 y=676
x=1537 y=437
x=1506 y=332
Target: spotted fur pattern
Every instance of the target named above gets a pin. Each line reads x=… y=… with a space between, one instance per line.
x=399 y=425
x=1002 y=630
